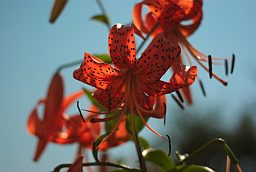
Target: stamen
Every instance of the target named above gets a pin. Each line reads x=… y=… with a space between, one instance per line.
x=170 y=147
x=93 y=120
x=228 y=164
x=214 y=75
x=77 y=104
x=113 y=130
x=233 y=63
x=179 y=96
x=202 y=87
x=146 y=124
x=201 y=64
x=226 y=67
x=164 y=113
x=178 y=102
x=99 y=113
x=210 y=65
x=239 y=168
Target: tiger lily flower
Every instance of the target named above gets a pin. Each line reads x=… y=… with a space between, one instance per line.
x=132 y=85
x=48 y=128
x=170 y=15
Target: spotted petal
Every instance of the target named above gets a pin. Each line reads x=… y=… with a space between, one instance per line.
x=121 y=46
x=157 y=58
x=94 y=72
x=183 y=76
x=191 y=8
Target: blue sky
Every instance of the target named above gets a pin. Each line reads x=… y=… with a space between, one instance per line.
x=31 y=49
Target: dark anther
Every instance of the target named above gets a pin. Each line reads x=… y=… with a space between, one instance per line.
x=210 y=65
x=179 y=96
x=202 y=87
x=170 y=147
x=164 y=113
x=92 y=120
x=178 y=102
x=77 y=104
x=226 y=67
x=233 y=63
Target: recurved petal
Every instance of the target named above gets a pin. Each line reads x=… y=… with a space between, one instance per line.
x=185 y=91
x=157 y=58
x=77 y=166
x=160 y=107
x=191 y=7
x=94 y=72
x=150 y=23
x=121 y=46
x=171 y=16
x=160 y=88
x=71 y=99
x=137 y=18
x=41 y=144
x=78 y=131
x=108 y=98
x=187 y=30
x=52 y=117
x=183 y=76
x=34 y=124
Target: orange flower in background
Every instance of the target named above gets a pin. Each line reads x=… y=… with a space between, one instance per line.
x=48 y=128
x=170 y=16
x=77 y=166
x=119 y=137
x=133 y=85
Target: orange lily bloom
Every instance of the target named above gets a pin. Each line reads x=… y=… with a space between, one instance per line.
x=48 y=128
x=77 y=166
x=132 y=85
x=170 y=16
x=119 y=137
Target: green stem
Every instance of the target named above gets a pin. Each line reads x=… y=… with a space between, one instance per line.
x=218 y=142
x=137 y=145
x=67 y=65
x=103 y=10
x=148 y=35
x=109 y=164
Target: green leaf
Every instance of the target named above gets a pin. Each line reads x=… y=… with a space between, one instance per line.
x=158 y=157
x=101 y=18
x=104 y=57
x=93 y=100
x=109 y=125
x=95 y=145
x=191 y=168
x=138 y=124
x=57 y=9
x=144 y=143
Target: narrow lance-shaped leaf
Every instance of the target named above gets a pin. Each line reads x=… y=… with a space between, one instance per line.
x=104 y=57
x=57 y=9
x=95 y=145
x=101 y=18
